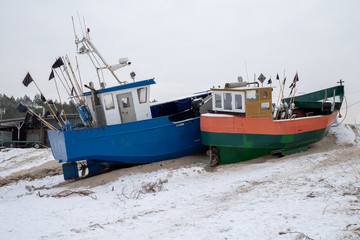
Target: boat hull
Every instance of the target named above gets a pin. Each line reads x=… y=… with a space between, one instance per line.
x=131 y=143
x=238 y=138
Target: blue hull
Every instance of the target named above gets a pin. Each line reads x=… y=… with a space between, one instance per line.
x=130 y=143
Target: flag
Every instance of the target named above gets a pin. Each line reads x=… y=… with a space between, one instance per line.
x=269 y=81
x=296 y=79
x=58 y=63
x=27 y=80
x=277 y=77
x=50 y=102
x=284 y=81
x=72 y=92
x=51 y=75
x=22 y=108
x=43 y=99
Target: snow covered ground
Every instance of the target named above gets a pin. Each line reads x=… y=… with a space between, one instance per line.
x=18 y=159
x=311 y=195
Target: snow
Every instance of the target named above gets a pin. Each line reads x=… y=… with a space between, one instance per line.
x=17 y=159
x=345 y=134
x=330 y=99
x=314 y=195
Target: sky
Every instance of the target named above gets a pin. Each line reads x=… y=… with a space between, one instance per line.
x=188 y=46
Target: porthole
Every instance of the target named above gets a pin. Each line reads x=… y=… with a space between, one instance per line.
x=265 y=95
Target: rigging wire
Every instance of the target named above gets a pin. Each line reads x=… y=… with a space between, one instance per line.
x=353 y=104
x=352 y=92
x=346 y=111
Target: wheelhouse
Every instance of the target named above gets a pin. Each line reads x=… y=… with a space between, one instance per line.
x=250 y=102
x=121 y=104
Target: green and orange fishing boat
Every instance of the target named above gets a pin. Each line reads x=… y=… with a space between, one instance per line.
x=244 y=124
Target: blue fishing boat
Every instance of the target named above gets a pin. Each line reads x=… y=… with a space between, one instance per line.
x=122 y=126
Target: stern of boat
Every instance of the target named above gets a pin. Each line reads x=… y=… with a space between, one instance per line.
x=58 y=147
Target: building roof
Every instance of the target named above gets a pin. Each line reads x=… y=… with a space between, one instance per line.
x=15 y=122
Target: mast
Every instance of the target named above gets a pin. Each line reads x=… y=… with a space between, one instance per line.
x=102 y=59
x=89 y=48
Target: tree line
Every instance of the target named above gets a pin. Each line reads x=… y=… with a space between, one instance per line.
x=8 y=106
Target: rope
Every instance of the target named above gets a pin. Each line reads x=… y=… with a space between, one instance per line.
x=345 y=113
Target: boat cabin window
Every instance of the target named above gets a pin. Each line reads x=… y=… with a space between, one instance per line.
x=258 y=103
x=265 y=106
x=142 y=95
x=238 y=101
x=264 y=94
x=218 y=100
x=109 y=101
x=227 y=101
x=252 y=96
x=125 y=101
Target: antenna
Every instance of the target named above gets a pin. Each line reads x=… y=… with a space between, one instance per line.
x=76 y=37
x=87 y=47
x=87 y=30
x=247 y=76
x=80 y=23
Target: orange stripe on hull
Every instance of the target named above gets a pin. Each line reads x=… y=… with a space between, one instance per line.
x=240 y=124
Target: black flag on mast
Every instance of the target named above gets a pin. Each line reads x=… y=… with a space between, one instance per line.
x=22 y=108
x=296 y=79
x=58 y=63
x=27 y=80
x=42 y=97
x=293 y=84
x=51 y=75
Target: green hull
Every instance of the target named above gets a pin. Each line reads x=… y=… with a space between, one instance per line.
x=236 y=147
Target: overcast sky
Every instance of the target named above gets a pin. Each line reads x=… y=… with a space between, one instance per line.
x=188 y=46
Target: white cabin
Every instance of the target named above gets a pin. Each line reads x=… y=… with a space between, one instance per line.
x=121 y=104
